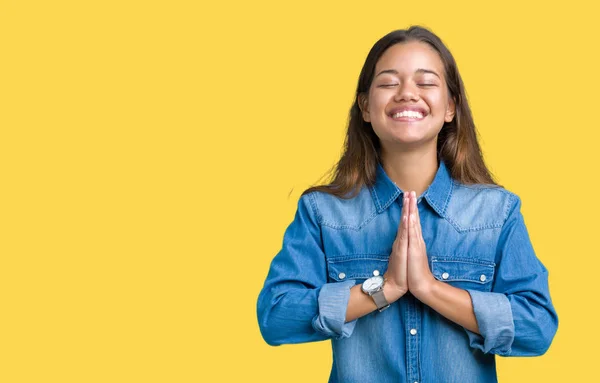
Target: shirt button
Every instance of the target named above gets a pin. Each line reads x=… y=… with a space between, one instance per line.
x=376 y=273
x=413 y=331
x=342 y=275
x=445 y=276
x=482 y=278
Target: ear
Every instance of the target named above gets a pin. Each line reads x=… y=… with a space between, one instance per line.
x=451 y=110
x=363 y=104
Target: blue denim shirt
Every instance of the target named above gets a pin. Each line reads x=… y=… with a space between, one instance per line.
x=476 y=240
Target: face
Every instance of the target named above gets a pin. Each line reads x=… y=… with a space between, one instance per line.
x=408 y=101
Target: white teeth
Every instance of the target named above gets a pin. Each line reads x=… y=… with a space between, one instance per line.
x=408 y=113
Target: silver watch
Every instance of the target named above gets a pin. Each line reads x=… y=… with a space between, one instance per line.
x=374 y=288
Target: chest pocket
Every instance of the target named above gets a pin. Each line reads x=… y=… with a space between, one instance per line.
x=358 y=268
x=473 y=274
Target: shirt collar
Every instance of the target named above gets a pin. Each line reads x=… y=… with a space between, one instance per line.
x=385 y=191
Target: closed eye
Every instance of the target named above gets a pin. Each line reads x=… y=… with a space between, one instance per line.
x=390 y=85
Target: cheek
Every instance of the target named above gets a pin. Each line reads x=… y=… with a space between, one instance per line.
x=437 y=104
x=378 y=103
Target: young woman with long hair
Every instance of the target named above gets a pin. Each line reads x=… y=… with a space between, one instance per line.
x=413 y=261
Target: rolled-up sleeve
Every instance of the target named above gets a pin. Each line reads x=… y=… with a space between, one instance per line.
x=517 y=318
x=296 y=304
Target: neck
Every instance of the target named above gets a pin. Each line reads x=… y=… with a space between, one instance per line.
x=411 y=170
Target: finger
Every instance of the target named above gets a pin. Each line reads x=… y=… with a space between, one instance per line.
x=418 y=228
x=402 y=235
x=415 y=242
x=405 y=215
x=399 y=255
x=405 y=234
x=402 y=252
x=411 y=203
x=412 y=226
x=402 y=214
x=405 y=207
x=411 y=217
x=412 y=235
x=404 y=243
x=409 y=212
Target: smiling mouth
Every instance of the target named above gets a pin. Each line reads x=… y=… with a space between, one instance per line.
x=407 y=116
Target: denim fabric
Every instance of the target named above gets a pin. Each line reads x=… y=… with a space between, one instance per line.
x=476 y=240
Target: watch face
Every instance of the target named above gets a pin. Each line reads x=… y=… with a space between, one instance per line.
x=372 y=284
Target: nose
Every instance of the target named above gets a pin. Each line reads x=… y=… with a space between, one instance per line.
x=407 y=92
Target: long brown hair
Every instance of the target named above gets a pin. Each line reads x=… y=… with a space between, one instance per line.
x=457 y=142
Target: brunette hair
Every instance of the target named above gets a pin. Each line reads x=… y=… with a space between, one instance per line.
x=457 y=142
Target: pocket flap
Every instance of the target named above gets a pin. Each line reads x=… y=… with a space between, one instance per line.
x=356 y=267
x=467 y=270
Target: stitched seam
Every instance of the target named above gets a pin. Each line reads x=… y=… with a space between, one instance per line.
x=474 y=228
x=480 y=186
x=453 y=224
x=352 y=257
x=462 y=280
x=376 y=198
x=447 y=201
x=314 y=208
x=351 y=227
x=380 y=262
x=509 y=206
x=433 y=204
x=392 y=197
x=489 y=268
x=482 y=227
x=438 y=259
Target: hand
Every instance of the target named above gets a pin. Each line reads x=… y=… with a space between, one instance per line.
x=420 y=278
x=396 y=274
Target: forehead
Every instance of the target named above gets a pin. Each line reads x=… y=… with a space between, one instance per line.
x=410 y=56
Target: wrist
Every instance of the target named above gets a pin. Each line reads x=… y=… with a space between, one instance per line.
x=392 y=292
x=424 y=289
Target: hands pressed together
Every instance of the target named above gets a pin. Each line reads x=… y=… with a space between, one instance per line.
x=408 y=268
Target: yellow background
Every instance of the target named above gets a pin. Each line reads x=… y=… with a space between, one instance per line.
x=152 y=154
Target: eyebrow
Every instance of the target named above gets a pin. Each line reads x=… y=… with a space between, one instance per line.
x=420 y=70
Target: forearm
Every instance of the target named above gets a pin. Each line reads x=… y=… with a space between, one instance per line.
x=289 y=314
x=286 y=316
x=361 y=304
x=451 y=302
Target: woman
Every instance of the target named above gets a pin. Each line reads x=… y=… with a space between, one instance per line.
x=413 y=261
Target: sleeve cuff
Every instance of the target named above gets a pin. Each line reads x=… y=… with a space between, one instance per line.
x=333 y=302
x=495 y=321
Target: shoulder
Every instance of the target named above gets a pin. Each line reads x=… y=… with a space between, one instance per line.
x=480 y=206
x=336 y=212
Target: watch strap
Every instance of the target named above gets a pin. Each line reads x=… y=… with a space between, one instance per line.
x=380 y=300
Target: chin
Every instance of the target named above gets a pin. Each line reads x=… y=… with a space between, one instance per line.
x=408 y=139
